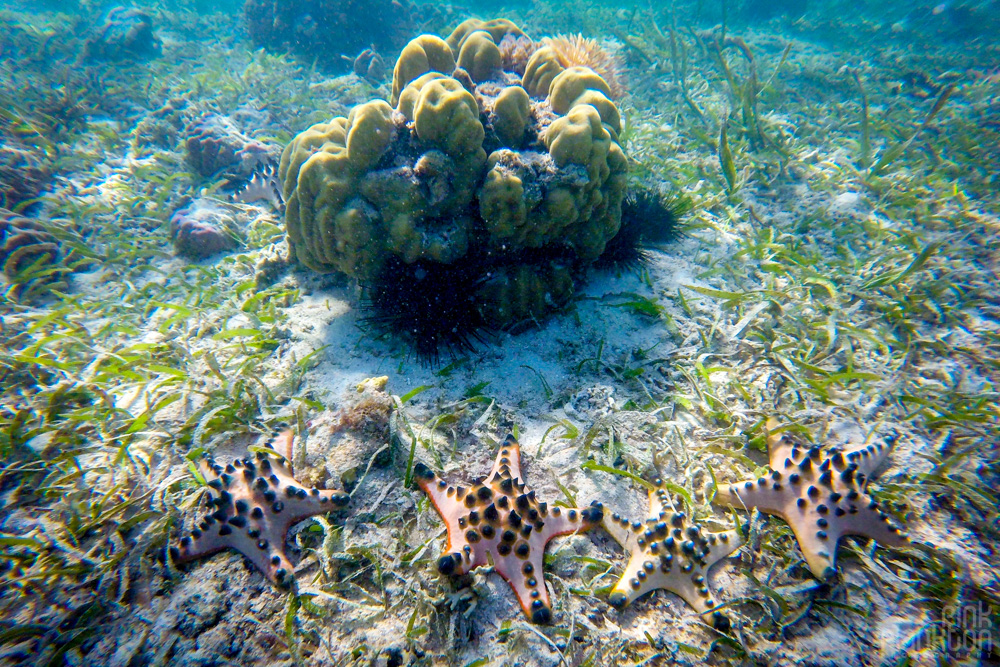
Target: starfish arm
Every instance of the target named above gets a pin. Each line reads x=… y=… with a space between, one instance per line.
x=723 y=545
x=748 y=495
x=524 y=574
x=868 y=457
x=629 y=587
x=508 y=458
x=657 y=502
x=779 y=446
x=872 y=523
x=819 y=524
x=298 y=503
x=566 y=520
x=619 y=529
x=284 y=441
x=820 y=553
x=271 y=559
x=684 y=587
x=459 y=556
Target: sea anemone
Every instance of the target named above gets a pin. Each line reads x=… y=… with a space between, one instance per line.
x=577 y=50
x=650 y=218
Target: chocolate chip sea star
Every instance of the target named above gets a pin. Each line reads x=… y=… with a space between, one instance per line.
x=670 y=552
x=821 y=494
x=498 y=514
x=258 y=501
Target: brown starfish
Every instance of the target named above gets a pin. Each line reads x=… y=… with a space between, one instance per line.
x=821 y=494
x=672 y=553
x=500 y=516
x=258 y=501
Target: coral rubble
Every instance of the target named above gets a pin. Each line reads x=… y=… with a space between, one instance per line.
x=258 y=501
x=821 y=494
x=369 y=66
x=217 y=144
x=499 y=518
x=669 y=551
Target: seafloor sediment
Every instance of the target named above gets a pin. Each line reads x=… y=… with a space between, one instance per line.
x=836 y=281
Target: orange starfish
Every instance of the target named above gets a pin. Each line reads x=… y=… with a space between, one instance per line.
x=499 y=515
x=258 y=502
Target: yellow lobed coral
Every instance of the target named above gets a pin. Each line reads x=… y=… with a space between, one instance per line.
x=415 y=182
x=497 y=29
x=582 y=85
x=446 y=115
x=426 y=53
x=511 y=113
x=543 y=66
x=479 y=56
x=328 y=228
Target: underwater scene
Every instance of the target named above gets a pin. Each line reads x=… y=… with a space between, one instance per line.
x=540 y=332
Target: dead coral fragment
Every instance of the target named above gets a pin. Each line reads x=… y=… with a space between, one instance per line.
x=670 y=552
x=515 y=50
x=821 y=494
x=500 y=516
x=258 y=501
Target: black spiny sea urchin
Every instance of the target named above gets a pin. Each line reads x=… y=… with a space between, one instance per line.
x=649 y=218
x=430 y=305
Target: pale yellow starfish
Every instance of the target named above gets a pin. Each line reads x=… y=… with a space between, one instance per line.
x=669 y=552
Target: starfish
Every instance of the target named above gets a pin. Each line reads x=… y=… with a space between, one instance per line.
x=258 y=502
x=821 y=494
x=669 y=552
x=500 y=516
